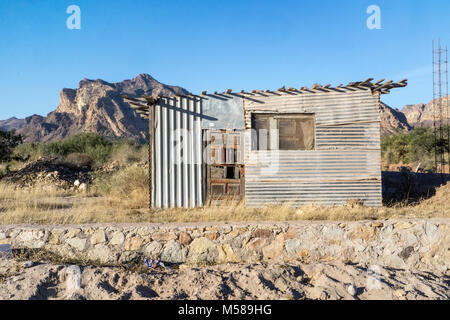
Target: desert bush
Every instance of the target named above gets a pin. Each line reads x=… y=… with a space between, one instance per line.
x=97 y=147
x=84 y=149
x=128 y=152
x=130 y=183
x=8 y=141
x=417 y=145
x=28 y=151
x=78 y=160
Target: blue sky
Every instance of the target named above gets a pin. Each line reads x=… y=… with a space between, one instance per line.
x=214 y=45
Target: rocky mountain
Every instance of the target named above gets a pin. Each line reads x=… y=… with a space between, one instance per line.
x=97 y=106
x=11 y=124
x=422 y=115
x=392 y=120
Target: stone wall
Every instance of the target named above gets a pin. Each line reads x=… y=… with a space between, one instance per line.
x=392 y=243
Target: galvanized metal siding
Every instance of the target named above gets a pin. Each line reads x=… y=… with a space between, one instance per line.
x=345 y=164
x=330 y=107
x=177 y=153
x=349 y=136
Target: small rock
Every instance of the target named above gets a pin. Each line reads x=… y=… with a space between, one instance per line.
x=77 y=243
x=164 y=236
x=118 y=238
x=324 y=295
x=403 y=225
x=27 y=264
x=292 y=245
x=153 y=250
x=77 y=183
x=103 y=253
x=71 y=233
x=98 y=237
x=351 y=290
x=377 y=224
x=73 y=279
x=184 y=238
x=129 y=257
x=212 y=236
x=399 y=293
x=172 y=252
x=261 y=233
x=133 y=243
x=5 y=251
x=82 y=187
x=274 y=249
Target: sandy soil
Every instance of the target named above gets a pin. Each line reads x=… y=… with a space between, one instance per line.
x=232 y=281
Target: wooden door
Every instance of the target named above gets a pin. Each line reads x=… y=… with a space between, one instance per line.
x=224 y=165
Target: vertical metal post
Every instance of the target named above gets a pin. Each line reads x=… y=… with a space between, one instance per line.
x=441 y=151
x=151 y=128
x=434 y=112
x=447 y=110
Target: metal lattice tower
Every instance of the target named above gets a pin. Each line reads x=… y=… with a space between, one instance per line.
x=447 y=108
x=441 y=114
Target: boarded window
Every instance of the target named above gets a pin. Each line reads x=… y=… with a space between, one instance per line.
x=283 y=132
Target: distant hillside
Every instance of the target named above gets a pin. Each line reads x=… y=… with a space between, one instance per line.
x=11 y=124
x=422 y=115
x=410 y=117
x=96 y=106
x=392 y=120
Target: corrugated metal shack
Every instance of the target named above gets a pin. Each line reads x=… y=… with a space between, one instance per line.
x=317 y=145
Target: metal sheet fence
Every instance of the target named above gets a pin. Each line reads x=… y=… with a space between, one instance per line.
x=177 y=164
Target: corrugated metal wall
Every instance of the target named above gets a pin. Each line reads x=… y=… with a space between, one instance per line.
x=177 y=153
x=346 y=162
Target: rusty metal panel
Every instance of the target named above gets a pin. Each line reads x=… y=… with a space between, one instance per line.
x=177 y=153
x=345 y=164
x=330 y=108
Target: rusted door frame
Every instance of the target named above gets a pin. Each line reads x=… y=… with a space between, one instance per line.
x=210 y=181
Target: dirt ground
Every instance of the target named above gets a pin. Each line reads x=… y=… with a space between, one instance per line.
x=326 y=281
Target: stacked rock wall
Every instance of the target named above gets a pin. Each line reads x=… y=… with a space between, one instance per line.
x=393 y=243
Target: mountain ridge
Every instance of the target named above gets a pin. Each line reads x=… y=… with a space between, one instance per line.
x=98 y=106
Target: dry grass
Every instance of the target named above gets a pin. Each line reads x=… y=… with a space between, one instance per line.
x=51 y=206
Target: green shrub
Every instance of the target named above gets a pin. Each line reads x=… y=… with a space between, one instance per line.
x=98 y=148
x=418 y=145
x=8 y=141
x=28 y=151
x=84 y=149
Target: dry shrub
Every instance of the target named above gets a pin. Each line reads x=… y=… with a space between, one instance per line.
x=122 y=198
x=78 y=160
x=126 y=154
x=128 y=185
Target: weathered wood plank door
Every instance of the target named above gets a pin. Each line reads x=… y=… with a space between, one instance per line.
x=225 y=172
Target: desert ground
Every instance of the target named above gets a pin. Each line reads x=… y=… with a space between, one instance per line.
x=334 y=281
x=29 y=196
